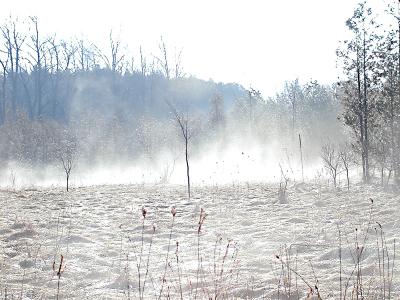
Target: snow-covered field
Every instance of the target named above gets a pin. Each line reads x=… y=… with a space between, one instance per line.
x=98 y=230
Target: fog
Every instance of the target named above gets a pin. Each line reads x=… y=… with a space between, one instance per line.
x=236 y=135
x=234 y=164
x=119 y=123
x=113 y=106
x=122 y=163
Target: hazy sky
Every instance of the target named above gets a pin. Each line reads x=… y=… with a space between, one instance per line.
x=256 y=43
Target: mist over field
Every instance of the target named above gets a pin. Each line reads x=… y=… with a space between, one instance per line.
x=122 y=134
x=249 y=151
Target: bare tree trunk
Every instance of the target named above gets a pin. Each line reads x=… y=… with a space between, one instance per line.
x=365 y=113
x=388 y=178
x=361 y=119
x=393 y=162
x=293 y=114
x=187 y=167
x=163 y=60
x=37 y=67
x=14 y=42
x=183 y=122
x=334 y=177
x=397 y=161
x=55 y=75
x=67 y=158
x=301 y=158
x=3 y=94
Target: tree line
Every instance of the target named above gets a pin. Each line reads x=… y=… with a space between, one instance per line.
x=70 y=99
x=370 y=91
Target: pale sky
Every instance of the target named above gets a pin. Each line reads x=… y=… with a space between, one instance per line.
x=255 y=43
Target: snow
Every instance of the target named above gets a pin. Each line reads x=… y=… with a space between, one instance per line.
x=98 y=230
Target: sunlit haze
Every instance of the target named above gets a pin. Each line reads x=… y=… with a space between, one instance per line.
x=256 y=43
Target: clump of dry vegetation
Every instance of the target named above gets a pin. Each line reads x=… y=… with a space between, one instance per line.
x=214 y=276
x=367 y=275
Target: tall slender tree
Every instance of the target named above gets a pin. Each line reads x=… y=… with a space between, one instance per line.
x=359 y=60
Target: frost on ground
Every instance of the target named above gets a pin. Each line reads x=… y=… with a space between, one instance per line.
x=98 y=230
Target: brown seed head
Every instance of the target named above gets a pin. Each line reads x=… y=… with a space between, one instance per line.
x=201 y=220
x=60 y=268
x=173 y=211
x=144 y=212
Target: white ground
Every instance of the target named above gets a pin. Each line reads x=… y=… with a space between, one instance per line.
x=98 y=230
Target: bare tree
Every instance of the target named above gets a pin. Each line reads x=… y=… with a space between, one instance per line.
x=68 y=52
x=86 y=56
x=55 y=71
x=143 y=63
x=331 y=161
x=282 y=192
x=4 y=64
x=163 y=61
x=178 y=64
x=250 y=109
x=294 y=93
x=184 y=121
x=115 y=60
x=38 y=64
x=346 y=157
x=381 y=151
x=60 y=55
x=217 y=117
x=67 y=155
x=301 y=158
x=13 y=41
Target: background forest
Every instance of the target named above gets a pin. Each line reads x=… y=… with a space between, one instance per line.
x=72 y=100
